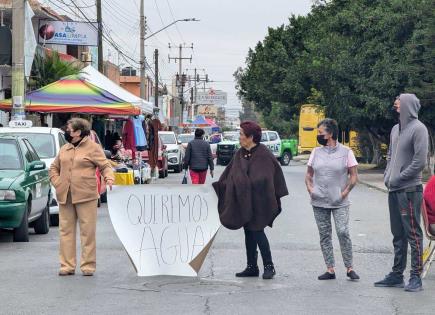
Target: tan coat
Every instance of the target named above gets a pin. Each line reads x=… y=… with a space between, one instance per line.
x=74 y=170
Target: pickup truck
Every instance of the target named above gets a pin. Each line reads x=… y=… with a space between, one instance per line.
x=284 y=150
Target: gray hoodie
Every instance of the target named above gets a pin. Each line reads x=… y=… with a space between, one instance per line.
x=409 y=143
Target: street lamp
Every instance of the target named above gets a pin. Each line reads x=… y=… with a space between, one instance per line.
x=142 y=45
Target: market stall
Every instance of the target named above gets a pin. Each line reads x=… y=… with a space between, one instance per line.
x=74 y=95
x=93 y=76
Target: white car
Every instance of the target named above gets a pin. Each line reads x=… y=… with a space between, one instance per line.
x=185 y=138
x=47 y=143
x=174 y=150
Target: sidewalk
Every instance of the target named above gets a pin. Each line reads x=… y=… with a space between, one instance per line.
x=373 y=178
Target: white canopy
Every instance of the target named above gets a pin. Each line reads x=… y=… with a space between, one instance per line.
x=93 y=76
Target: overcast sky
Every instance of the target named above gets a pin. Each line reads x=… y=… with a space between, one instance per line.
x=221 y=39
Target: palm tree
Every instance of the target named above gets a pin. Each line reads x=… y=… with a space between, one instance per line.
x=50 y=68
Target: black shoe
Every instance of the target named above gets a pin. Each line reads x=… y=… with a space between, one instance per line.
x=392 y=280
x=269 y=272
x=352 y=275
x=414 y=284
x=250 y=271
x=327 y=276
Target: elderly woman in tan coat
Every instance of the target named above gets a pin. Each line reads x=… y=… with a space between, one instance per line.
x=73 y=175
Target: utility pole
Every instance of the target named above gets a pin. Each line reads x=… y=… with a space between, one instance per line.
x=142 y=49
x=181 y=81
x=18 y=90
x=100 y=38
x=156 y=79
x=197 y=79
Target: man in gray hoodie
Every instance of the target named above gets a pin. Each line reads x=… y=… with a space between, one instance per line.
x=403 y=177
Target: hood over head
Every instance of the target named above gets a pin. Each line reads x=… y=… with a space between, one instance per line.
x=409 y=108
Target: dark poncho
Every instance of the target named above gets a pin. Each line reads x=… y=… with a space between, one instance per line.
x=249 y=190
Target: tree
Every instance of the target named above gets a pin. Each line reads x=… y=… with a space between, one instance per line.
x=357 y=55
x=50 y=68
x=421 y=57
x=278 y=120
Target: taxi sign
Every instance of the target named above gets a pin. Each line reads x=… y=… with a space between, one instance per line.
x=20 y=123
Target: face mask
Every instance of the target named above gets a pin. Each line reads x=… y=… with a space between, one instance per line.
x=321 y=140
x=68 y=137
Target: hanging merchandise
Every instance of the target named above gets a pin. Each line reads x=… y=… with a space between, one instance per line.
x=139 y=133
x=128 y=138
x=154 y=126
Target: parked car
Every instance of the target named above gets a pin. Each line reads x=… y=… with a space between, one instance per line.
x=47 y=143
x=174 y=150
x=162 y=162
x=24 y=189
x=185 y=138
x=284 y=150
x=227 y=147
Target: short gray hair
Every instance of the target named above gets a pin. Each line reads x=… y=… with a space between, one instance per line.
x=80 y=124
x=331 y=126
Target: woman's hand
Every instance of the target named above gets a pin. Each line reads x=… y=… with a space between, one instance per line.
x=344 y=194
x=109 y=183
x=310 y=190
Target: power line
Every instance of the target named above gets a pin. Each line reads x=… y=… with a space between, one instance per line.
x=173 y=18
x=62 y=9
x=118 y=14
x=106 y=36
x=163 y=23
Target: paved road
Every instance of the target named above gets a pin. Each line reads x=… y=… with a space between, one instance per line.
x=30 y=285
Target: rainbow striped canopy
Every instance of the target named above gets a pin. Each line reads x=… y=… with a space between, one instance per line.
x=73 y=95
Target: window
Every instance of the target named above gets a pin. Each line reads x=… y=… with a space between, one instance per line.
x=61 y=139
x=185 y=138
x=263 y=137
x=43 y=143
x=10 y=155
x=33 y=155
x=27 y=153
x=273 y=136
x=168 y=138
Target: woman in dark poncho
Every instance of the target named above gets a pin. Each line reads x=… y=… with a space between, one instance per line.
x=249 y=193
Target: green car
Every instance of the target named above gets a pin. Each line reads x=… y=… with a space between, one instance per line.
x=24 y=189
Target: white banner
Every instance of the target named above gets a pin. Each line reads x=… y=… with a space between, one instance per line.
x=166 y=230
x=68 y=33
x=211 y=97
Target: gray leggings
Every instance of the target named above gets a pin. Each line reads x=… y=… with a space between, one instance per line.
x=341 y=218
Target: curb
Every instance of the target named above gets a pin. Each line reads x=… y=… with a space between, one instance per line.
x=384 y=190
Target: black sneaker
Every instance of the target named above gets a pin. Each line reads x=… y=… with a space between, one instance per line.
x=392 y=280
x=352 y=275
x=327 y=276
x=269 y=272
x=250 y=271
x=414 y=284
